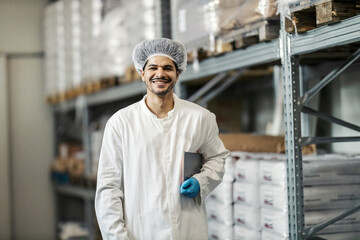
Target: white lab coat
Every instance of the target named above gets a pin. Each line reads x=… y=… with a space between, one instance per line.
x=138 y=188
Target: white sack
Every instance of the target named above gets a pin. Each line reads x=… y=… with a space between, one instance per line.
x=274 y=221
x=243 y=233
x=247 y=216
x=218 y=231
x=246 y=193
x=219 y=212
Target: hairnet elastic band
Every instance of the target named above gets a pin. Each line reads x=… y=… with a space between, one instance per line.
x=159 y=54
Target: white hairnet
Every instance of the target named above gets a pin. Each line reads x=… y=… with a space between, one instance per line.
x=159 y=47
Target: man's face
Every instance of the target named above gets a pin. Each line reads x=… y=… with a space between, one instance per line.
x=160 y=75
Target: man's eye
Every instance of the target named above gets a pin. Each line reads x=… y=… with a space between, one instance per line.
x=152 y=68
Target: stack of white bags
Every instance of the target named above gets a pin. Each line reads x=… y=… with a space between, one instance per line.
x=219 y=206
x=260 y=201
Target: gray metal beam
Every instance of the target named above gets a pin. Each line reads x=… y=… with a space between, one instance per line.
x=76 y=191
x=312 y=230
x=345 y=32
x=123 y=91
x=326 y=80
x=329 y=118
x=203 y=101
x=261 y=53
x=204 y=89
x=320 y=140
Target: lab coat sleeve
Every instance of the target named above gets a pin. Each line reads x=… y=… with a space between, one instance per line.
x=214 y=154
x=109 y=196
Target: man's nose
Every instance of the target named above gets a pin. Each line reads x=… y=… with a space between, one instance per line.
x=159 y=72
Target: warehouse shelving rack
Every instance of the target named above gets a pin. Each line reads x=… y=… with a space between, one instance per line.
x=286 y=49
x=346 y=32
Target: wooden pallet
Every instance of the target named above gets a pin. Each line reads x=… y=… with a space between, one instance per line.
x=92 y=86
x=315 y=13
x=261 y=31
x=130 y=75
x=199 y=54
x=52 y=99
x=82 y=181
x=85 y=88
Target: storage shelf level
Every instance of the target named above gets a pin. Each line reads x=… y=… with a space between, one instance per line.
x=345 y=32
x=76 y=191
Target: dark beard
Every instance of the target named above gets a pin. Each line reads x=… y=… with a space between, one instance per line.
x=162 y=93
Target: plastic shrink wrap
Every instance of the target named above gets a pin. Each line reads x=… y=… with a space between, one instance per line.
x=247 y=216
x=222 y=194
x=246 y=168
x=244 y=233
x=274 y=221
x=72 y=28
x=331 y=169
x=246 y=193
x=219 y=205
x=348 y=224
x=273 y=172
x=274 y=197
x=268 y=235
x=199 y=22
x=229 y=170
x=121 y=29
x=341 y=236
x=90 y=14
x=219 y=212
x=218 y=231
x=315 y=197
x=331 y=197
x=317 y=170
x=54 y=49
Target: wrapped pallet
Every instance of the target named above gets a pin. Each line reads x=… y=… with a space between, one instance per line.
x=201 y=21
x=55 y=77
x=122 y=28
x=331 y=188
x=72 y=28
x=90 y=30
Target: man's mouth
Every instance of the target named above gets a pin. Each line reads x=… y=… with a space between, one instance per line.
x=160 y=81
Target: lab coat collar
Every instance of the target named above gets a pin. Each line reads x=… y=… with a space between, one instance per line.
x=149 y=113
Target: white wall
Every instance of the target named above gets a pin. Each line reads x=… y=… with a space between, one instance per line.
x=343 y=102
x=5 y=218
x=29 y=127
x=31 y=151
x=21 y=25
x=346 y=93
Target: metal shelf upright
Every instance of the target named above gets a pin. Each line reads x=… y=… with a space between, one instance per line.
x=292 y=45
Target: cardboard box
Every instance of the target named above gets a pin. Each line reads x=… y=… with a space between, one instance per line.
x=258 y=143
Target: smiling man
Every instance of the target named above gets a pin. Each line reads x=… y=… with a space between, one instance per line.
x=139 y=191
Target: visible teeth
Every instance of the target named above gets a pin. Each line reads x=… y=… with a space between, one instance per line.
x=159 y=82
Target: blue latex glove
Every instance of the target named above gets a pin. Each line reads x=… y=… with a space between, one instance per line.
x=190 y=187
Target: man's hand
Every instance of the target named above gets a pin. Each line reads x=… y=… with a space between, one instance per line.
x=190 y=187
